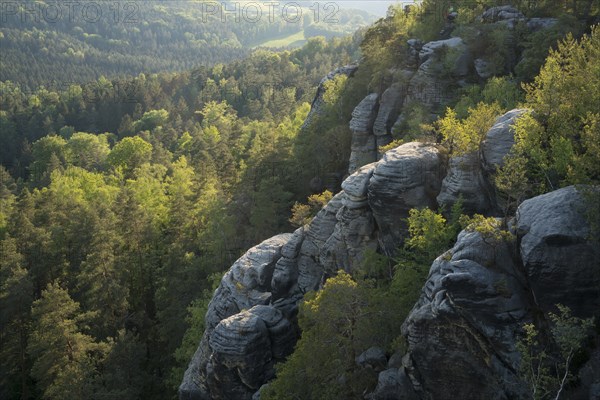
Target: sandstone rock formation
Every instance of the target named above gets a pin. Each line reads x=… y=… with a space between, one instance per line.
x=499 y=140
x=263 y=287
x=406 y=177
x=462 y=332
x=364 y=145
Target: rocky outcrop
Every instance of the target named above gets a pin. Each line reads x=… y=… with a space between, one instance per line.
x=393 y=384
x=389 y=109
x=462 y=332
x=374 y=358
x=261 y=290
x=245 y=348
x=406 y=177
x=430 y=85
x=465 y=180
x=245 y=285
x=499 y=140
x=561 y=263
x=364 y=145
x=502 y=13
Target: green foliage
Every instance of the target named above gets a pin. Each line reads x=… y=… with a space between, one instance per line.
x=391 y=145
x=338 y=323
x=64 y=355
x=536 y=45
x=151 y=120
x=489 y=228
x=511 y=180
x=558 y=143
x=547 y=372
x=462 y=137
x=148 y=38
x=129 y=154
x=302 y=214
x=416 y=123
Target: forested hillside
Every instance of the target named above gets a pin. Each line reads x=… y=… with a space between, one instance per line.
x=55 y=44
x=122 y=198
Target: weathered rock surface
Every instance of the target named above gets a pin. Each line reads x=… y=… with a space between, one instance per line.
x=429 y=86
x=406 y=177
x=495 y=14
x=389 y=108
x=246 y=284
x=364 y=145
x=393 y=384
x=245 y=347
x=462 y=332
x=373 y=357
x=465 y=179
x=561 y=264
x=499 y=140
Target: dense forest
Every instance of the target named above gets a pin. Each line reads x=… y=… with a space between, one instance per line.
x=124 y=199
x=54 y=44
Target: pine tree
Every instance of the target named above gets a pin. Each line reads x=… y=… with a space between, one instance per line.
x=16 y=296
x=65 y=358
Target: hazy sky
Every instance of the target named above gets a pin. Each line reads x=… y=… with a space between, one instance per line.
x=376 y=7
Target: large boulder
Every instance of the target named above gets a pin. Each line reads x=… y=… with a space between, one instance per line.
x=499 y=140
x=245 y=285
x=244 y=349
x=562 y=265
x=406 y=177
x=364 y=144
x=465 y=180
x=393 y=384
x=463 y=330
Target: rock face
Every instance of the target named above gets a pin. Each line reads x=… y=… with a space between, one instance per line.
x=261 y=290
x=502 y=13
x=244 y=348
x=560 y=262
x=406 y=177
x=389 y=109
x=465 y=179
x=462 y=331
x=364 y=145
x=430 y=86
x=499 y=140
